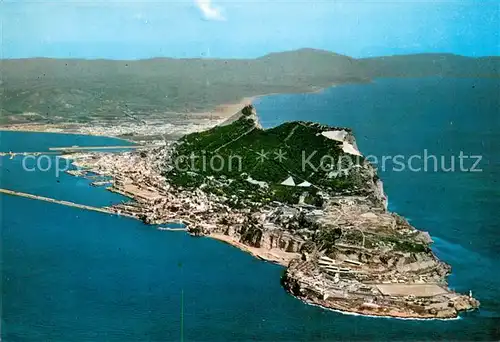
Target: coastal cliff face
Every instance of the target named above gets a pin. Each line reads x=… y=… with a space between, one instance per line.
x=378 y=265
x=351 y=253
x=324 y=218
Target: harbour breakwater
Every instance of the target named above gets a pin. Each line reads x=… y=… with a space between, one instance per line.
x=352 y=278
x=105 y=210
x=348 y=253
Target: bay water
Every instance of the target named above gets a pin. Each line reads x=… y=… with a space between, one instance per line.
x=75 y=275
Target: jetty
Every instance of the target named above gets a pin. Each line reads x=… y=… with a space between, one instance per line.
x=104 y=210
x=85 y=148
x=70 y=149
x=173 y=229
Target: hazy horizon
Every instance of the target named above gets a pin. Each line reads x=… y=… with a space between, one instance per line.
x=247 y=58
x=98 y=29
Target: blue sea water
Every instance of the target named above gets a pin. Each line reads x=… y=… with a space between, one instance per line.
x=74 y=275
x=44 y=175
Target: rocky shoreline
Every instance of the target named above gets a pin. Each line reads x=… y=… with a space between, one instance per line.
x=349 y=254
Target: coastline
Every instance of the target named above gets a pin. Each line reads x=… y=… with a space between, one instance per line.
x=311 y=91
x=227 y=110
x=55 y=129
x=175 y=207
x=282 y=258
x=371 y=315
x=221 y=112
x=275 y=256
x=268 y=256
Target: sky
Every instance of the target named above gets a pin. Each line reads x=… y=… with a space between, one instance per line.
x=245 y=28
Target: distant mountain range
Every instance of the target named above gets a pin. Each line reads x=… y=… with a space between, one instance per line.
x=82 y=90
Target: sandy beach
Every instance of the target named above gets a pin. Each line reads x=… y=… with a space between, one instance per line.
x=273 y=255
x=197 y=121
x=224 y=111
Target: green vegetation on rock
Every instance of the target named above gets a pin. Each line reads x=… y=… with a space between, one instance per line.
x=245 y=162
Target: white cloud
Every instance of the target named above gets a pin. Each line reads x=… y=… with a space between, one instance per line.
x=209 y=11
